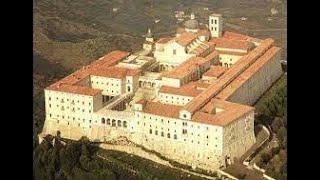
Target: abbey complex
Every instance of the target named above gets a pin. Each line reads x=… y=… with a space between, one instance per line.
x=187 y=96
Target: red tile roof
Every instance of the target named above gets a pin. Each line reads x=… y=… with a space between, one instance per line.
x=164 y=40
x=186 y=38
x=182 y=91
x=79 y=90
x=232 y=44
x=237 y=36
x=215 y=71
x=156 y=108
x=115 y=72
x=242 y=78
x=230 y=112
x=185 y=68
x=103 y=62
x=192 y=89
x=235 y=70
x=233 y=35
x=206 y=46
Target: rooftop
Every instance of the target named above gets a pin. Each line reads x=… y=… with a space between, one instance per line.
x=242 y=78
x=232 y=44
x=186 y=38
x=235 y=70
x=164 y=40
x=103 y=62
x=185 y=68
x=191 y=89
x=215 y=71
x=156 y=108
x=115 y=72
x=82 y=90
x=229 y=112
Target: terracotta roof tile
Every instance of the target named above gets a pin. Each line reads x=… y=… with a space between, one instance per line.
x=242 y=78
x=230 y=112
x=114 y=72
x=103 y=62
x=164 y=40
x=186 y=38
x=78 y=90
x=156 y=108
x=237 y=36
x=232 y=44
x=191 y=89
x=215 y=71
x=235 y=70
x=183 y=91
x=185 y=68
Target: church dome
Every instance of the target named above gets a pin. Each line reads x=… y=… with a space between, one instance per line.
x=191 y=24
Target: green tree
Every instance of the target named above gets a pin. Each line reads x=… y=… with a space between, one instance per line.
x=276 y=124
x=282 y=133
x=265 y=157
x=275 y=150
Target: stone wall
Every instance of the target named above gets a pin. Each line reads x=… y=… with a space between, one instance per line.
x=258 y=83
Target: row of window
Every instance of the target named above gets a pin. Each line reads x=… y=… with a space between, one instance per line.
x=107 y=90
x=107 y=84
x=215 y=21
x=73 y=118
x=175 y=98
x=183 y=123
x=162 y=134
x=73 y=109
x=104 y=78
x=69 y=124
x=72 y=102
x=113 y=122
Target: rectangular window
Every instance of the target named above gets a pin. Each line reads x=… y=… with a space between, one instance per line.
x=215 y=21
x=211 y=21
x=174 y=52
x=184 y=131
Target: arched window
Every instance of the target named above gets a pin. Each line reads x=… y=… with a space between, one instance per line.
x=108 y=121
x=124 y=124
x=103 y=121
x=226 y=64
x=119 y=123
x=175 y=136
x=162 y=134
x=156 y=133
x=150 y=131
x=113 y=122
x=168 y=135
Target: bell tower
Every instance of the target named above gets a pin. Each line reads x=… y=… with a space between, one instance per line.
x=215 y=25
x=149 y=36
